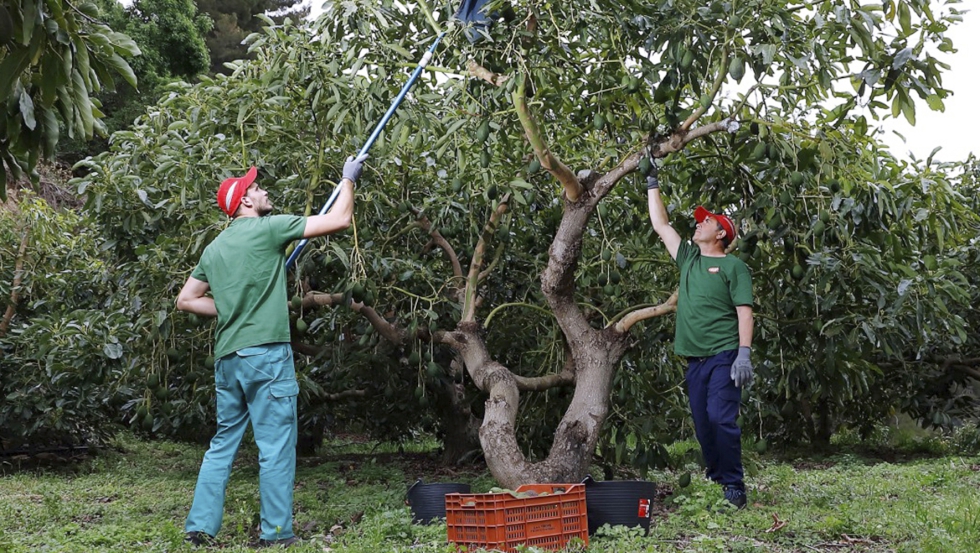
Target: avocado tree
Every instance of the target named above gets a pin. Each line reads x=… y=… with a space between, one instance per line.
x=54 y=57
x=501 y=272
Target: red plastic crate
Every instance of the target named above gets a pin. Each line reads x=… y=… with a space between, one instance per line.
x=502 y=521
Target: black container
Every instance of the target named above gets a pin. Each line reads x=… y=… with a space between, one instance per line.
x=428 y=501
x=619 y=503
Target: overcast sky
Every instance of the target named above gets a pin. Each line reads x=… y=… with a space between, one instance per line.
x=957 y=129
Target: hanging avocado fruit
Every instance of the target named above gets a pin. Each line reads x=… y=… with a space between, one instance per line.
x=798 y=272
x=534 y=166
x=796 y=178
x=483 y=131
x=737 y=68
x=357 y=292
x=433 y=369
x=687 y=59
x=301 y=326
x=598 y=122
x=485 y=159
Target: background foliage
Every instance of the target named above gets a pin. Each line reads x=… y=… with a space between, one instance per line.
x=862 y=263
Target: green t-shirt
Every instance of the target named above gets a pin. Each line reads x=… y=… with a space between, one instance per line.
x=710 y=289
x=245 y=267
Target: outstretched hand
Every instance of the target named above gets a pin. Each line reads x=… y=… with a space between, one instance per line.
x=354 y=166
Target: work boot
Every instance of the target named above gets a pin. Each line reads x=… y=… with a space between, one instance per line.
x=283 y=543
x=736 y=496
x=199 y=538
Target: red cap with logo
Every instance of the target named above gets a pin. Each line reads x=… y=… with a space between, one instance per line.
x=700 y=214
x=232 y=190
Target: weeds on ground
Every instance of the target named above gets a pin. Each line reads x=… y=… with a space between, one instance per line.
x=350 y=498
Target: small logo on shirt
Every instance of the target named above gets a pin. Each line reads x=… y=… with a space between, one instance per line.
x=713 y=270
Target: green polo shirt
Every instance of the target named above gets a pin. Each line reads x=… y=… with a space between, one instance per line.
x=245 y=267
x=710 y=289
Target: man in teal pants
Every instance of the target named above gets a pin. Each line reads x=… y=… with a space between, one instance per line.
x=244 y=269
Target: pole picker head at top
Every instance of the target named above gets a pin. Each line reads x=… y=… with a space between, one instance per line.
x=472 y=14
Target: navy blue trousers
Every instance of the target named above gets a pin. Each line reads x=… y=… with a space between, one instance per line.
x=714 y=402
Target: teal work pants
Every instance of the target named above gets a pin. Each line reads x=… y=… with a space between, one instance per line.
x=256 y=384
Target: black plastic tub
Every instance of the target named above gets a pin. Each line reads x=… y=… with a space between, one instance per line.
x=428 y=501
x=619 y=503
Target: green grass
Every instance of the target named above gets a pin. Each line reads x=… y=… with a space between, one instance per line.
x=135 y=496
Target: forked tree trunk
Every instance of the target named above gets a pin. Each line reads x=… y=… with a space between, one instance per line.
x=593 y=353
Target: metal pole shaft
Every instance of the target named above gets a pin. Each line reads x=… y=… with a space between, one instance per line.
x=371 y=139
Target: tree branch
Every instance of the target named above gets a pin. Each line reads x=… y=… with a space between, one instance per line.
x=439 y=240
x=676 y=141
x=715 y=87
x=306 y=349
x=481 y=72
x=388 y=331
x=573 y=188
x=631 y=319
x=493 y=264
x=540 y=383
x=346 y=394
x=474 y=277
x=15 y=284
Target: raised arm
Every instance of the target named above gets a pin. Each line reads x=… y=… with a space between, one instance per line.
x=339 y=216
x=658 y=214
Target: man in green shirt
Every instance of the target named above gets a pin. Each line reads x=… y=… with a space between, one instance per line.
x=244 y=269
x=714 y=332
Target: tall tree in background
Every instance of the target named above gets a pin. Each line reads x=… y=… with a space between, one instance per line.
x=54 y=57
x=170 y=34
x=235 y=19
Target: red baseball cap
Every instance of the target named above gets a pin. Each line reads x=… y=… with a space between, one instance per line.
x=700 y=214
x=232 y=190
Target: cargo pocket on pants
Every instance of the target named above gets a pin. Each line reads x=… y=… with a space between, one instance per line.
x=281 y=389
x=282 y=402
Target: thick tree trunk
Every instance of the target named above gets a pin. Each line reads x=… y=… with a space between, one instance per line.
x=461 y=428
x=594 y=355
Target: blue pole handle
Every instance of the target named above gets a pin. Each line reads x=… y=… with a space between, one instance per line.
x=371 y=139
